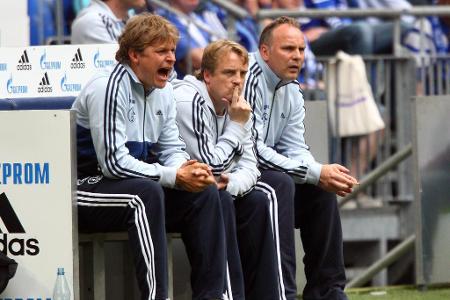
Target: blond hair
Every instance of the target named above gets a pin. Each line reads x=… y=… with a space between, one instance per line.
x=215 y=50
x=142 y=31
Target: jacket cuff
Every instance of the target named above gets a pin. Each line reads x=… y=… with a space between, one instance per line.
x=237 y=130
x=168 y=176
x=313 y=173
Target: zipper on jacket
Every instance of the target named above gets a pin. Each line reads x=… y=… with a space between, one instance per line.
x=217 y=124
x=143 y=126
x=279 y=84
x=270 y=116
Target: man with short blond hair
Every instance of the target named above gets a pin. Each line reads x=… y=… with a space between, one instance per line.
x=133 y=172
x=215 y=123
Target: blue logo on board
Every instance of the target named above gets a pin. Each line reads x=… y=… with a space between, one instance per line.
x=18 y=173
x=49 y=65
x=15 y=89
x=69 y=87
x=102 y=63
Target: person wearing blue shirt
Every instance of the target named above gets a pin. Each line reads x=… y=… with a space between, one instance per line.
x=246 y=28
x=193 y=39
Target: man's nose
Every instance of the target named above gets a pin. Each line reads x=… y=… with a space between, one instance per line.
x=171 y=57
x=297 y=54
x=237 y=80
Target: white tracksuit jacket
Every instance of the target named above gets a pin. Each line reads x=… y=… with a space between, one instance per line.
x=215 y=140
x=124 y=132
x=96 y=24
x=278 y=115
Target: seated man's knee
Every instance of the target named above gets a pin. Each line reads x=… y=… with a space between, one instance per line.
x=284 y=183
x=318 y=196
x=209 y=197
x=226 y=200
x=150 y=191
x=259 y=201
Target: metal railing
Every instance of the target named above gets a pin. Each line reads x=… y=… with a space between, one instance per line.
x=235 y=13
x=393 y=84
x=393 y=14
x=234 y=10
x=380 y=171
x=422 y=11
x=181 y=15
x=189 y=20
x=391 y=257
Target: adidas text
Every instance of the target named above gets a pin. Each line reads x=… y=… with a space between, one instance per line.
x=17 y=246
x=45 y=89
x=77 y=65
x=24 y=67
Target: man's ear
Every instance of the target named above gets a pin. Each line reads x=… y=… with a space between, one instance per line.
x=264 y=51
x=133 y=55
x=207 y=76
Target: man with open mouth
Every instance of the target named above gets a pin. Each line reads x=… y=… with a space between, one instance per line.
x=133 y=172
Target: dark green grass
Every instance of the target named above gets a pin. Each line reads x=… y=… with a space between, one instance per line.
x=438 y=292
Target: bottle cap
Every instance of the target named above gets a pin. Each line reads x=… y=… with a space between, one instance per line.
x=60 y=271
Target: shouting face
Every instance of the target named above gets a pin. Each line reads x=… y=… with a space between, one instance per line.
x=154 y=64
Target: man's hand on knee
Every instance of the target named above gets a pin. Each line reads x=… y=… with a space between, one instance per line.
x=336 y=179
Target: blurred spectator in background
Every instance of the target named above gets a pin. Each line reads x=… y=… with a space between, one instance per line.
x=445 y=22
x=253 y=6
x=193 y=37
x=43 y=27
x=420 y=2
x=78 y=5
x=426 y=40
x=329 y=35
x=246 y=28
x=102 y=21
x=429 y=35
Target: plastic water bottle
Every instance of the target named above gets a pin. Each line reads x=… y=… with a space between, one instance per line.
x=61 y=290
